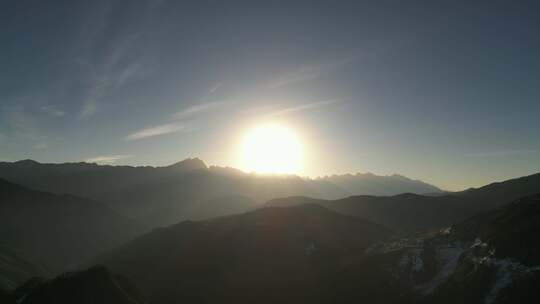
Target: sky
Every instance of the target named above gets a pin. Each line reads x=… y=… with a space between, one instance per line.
x=443 y=91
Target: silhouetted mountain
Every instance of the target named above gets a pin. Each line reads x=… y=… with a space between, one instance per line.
x=271 y=255
x=95 y=285
x=371 y=184
x=409 y=212
x=187 y=165
x=58 y=230
x=166 y=195
x=88 y=180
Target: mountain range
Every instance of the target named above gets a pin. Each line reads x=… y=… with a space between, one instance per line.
x=411 y=212
x=189 y=233
x=191 y=190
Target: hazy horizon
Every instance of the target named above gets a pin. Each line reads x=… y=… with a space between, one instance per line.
x=114 y=162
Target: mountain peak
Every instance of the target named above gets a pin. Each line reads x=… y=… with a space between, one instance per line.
x=189 y=164
x=27 y=162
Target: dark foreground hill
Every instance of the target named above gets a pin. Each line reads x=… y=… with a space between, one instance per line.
x=491 y=258
x=57 y=231
x=15 y=268
x=306 y=254
x=189 y=189
x=411 y=212
x=271 y=255
x=95 y=285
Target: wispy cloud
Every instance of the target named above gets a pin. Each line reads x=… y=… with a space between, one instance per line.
x=155 y=131
x=89 y=108
x=53 y=110
x=302 y=75
x=306 y=73
x=198 y=109
x=176 y=126
x=215 y=88
x=303 y=107
x=22 y=126
x=21 y=123
x=118 y=63
x=111 y=78
x=107 y=159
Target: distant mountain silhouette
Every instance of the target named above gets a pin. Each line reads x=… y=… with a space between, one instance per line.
x=371 y=184
x=57 y=231
x=189 y=189
x=271 y=255
x=95 y=285
x=412 y=212
x=88 y=179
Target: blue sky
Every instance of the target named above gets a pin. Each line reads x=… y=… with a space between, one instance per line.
x=444 y=91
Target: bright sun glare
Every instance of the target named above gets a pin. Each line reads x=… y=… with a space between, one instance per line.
x=271 y=148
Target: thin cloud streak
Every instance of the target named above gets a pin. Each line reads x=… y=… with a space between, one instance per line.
x=304 y=107
x=21 y=122
x=155 y=131
x=119 y=65
x=107 y=159
x=296 y=77
x=215 y=87
x=176 y=126
x=53 y=110
x=89 y=108
x=198 y=109
x=306 y=73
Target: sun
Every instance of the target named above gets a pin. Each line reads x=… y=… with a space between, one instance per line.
x=271 y=148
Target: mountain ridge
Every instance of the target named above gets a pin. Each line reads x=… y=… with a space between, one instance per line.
x=183 y=190
x=410 y=212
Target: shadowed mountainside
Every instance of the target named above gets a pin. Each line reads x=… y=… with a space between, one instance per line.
x=57 y=231
x=491 y=258
x=271 y=255
x=95 y=285
x=15 y=268
x=296 y=249
x=308 y=254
